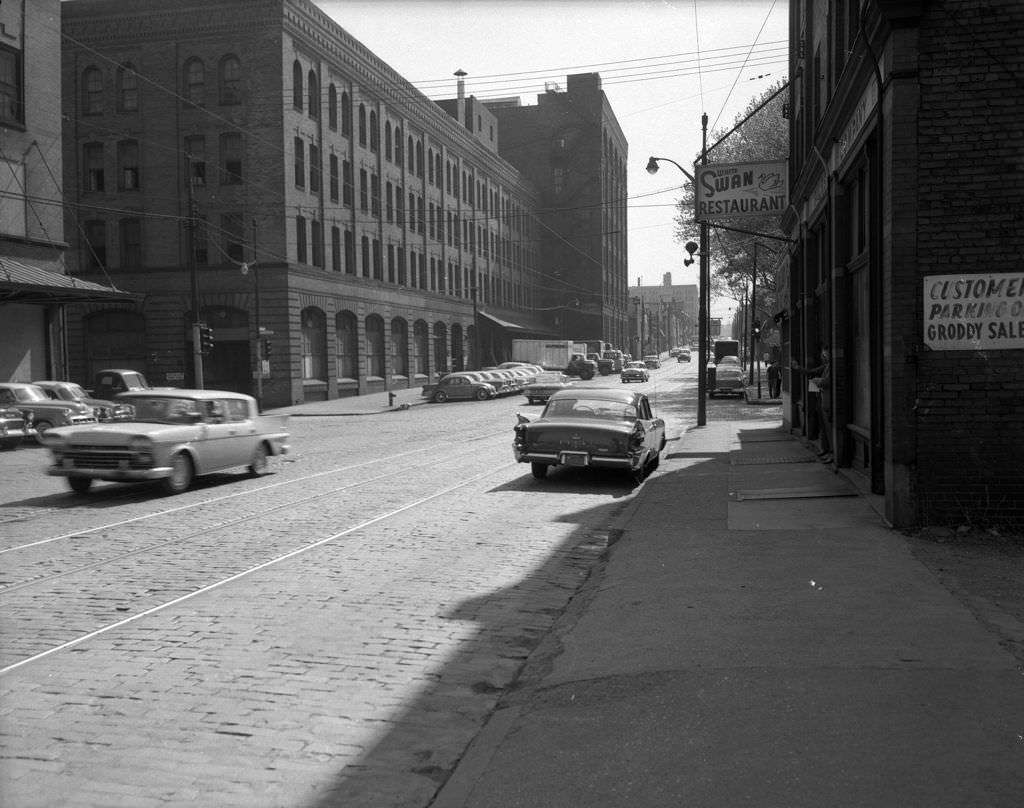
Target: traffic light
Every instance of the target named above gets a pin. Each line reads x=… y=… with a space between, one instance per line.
x=757 y=329
x=267 y=347
x=205 y=338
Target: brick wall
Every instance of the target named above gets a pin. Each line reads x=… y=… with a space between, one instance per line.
x=970 y=404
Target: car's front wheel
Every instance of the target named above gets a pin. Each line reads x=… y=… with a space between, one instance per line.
x=260 y=463
x=481 y=395
x=80 y=485
x=539 y=470
x=182 y=473
x=440 y=397
x=41 y=429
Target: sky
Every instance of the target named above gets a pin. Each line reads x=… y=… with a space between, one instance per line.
x=662 y=63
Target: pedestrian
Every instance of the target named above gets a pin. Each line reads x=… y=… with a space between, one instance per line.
x=774 y=379
x=819 y=385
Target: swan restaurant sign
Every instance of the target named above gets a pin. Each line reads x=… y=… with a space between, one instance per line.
x=738 y=190
x=974 y=312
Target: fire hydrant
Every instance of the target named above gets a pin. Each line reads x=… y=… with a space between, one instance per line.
x=391 y=399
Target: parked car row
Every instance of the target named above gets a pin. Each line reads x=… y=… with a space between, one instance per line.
x=39 y=412
x=506 y=379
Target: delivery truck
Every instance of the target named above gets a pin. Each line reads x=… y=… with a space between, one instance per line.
x=564 y=355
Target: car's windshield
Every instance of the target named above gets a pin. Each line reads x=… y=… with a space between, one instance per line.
x=590 y=408
x=551 y=376
x=165 y=410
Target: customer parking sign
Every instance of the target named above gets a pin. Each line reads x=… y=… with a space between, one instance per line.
x=974 y=312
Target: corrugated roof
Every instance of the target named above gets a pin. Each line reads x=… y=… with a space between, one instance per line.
x=25 y=283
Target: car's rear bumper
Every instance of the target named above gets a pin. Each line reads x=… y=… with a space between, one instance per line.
x=580 y=459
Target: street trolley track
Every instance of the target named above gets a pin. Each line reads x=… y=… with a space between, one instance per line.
x=248 y=492
x=278 y=559
x=208 y=529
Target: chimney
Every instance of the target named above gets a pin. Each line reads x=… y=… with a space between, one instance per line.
x=461 y=110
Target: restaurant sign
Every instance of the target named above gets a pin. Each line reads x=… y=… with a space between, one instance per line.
x=737 y=190
x=974 y=312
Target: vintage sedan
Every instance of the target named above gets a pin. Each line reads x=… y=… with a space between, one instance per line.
x=176 y=436
x=728 y=381
x=684 y=355
x=13 y=427
x=40 y=411
x=544 y=385
x=653 y=361
x=592 y=427
x=460 y=385
x=635 y=372
x=69 y=391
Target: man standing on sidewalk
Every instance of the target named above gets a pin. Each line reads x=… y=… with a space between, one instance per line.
x=819 y=384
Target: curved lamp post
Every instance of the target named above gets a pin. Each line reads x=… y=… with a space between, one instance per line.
x=704 y=292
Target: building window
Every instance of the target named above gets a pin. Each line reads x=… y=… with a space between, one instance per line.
x=362 y=125
x=375 y=195
x=195 y=82
x=346 y=345
x=12 y=107
x=389 y=203
x=300 y=162
x=131 y=243
x=347 y=184
x=315 y=169
x=314 y=344
x=92 y=91
x=128 y=165
x=92 y=160
x=332 y=108
x=313 y=94
x=230 y=81
x=195 y=159
x=127 y=89
x=300 y=239
x=375 y=346
x=346 y=115
x=378 y=262
x=317 y=237
x=374 y=132
x=399 y=207
x=95 y=244
x=398 y=145
x=350 y=253
x=334 y=179
x=233 y=234
x=336 y=249
x=387 y=140
x=231 y=158
x=297 y=95
x=421 y=348
x=364 y=191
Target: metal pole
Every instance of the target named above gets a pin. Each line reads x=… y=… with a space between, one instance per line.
x=476 y=331
x=259 y=331
x=197 y=348
x=705 y=297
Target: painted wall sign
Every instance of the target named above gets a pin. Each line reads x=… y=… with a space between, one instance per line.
x=738 y=190
x=974 y=312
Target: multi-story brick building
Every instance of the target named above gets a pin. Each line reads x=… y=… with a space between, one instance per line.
x=34 y=287
x=906 y=123
x=252 y=160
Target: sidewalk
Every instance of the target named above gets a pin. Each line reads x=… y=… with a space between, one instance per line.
x=756 y=637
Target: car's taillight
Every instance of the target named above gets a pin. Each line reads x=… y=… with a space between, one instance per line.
x=636 y=437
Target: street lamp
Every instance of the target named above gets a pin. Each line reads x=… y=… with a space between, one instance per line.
x=704 y=292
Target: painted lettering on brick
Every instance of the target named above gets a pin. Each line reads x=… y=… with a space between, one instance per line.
x=974 y=312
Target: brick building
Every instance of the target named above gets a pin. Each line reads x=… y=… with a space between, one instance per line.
x=34 y=286
x=906 y=123
x=662 y=317
x=324 y=208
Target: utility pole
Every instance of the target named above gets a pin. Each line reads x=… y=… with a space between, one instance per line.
x=197 y=348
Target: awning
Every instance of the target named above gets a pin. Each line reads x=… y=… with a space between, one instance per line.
x=24 y=283
x=525 y=325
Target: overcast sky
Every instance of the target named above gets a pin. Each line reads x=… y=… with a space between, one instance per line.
x=662 y=64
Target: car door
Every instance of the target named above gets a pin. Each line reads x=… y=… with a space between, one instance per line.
x=223 y=444
x=654 y=427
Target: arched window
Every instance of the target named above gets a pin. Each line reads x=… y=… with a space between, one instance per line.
x=412 y=154
x=332 y=107
x=437 y=168
x=374 y=132
x=230 y=81
x=92 y=91
x=419 y=159
x=127 y=88
x=346 y=337
x=387 y=140
x=314 y=344
x=297 y=85
x=458 y=349
x=346 y=115
x=440 y=348
x=195 y=82
x=430 y=166
x=375 y=346
x=398 y=145
x=399 y=347
x=362 y=124
x=421 y=348
x=313 y=93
